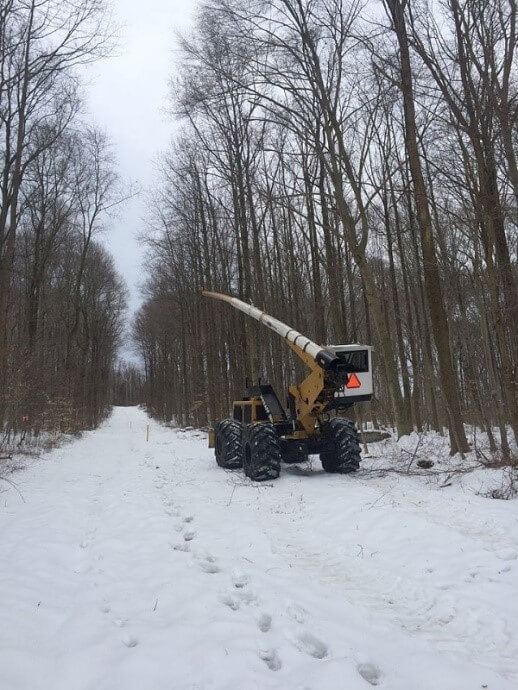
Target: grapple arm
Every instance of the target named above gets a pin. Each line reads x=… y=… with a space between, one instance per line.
x=325 y=358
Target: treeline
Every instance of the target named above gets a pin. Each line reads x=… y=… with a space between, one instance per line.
x=127 y=385
x=350 y=168
x=61 y=300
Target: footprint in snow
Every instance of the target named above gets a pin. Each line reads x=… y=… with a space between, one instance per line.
x=309 y=644
x=239 y=579
x=170 y=508
x=182 y=547
x=230 y=601
x=210 y=568
x=370 y=673
x=105 y=608
x=271 y=659
x=189 y=536
x=208 y=565
x=296 y=613
x=188 y=518
x=129 y=641
x=264 y=622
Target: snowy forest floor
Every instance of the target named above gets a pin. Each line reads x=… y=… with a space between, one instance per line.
x=127 y=565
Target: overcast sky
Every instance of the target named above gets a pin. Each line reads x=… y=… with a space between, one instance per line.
x=127 y=96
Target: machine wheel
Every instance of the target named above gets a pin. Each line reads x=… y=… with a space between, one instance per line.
x=342 y=446
x=262 y=459
x=229 y=444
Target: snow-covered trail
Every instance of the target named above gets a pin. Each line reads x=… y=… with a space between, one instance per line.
x=135 y=565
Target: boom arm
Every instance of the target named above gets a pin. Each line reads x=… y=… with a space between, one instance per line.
x=324 y=357
x=328 y=382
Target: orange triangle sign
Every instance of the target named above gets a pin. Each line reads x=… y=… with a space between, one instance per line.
x=354 y=382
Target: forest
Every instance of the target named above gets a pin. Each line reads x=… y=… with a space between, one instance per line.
x=351 y=169
x=62 y=302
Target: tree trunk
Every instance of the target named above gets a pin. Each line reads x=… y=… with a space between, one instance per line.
x=440 y=327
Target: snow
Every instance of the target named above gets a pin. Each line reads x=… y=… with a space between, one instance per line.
x=131 y=565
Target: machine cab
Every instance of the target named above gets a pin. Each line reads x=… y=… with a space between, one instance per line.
x=357 y=362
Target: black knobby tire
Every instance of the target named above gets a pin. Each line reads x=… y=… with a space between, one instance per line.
x=262 y=459
x=342 y=446
x=229 y=444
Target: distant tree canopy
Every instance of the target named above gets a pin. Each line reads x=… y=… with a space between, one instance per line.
x=351 y=169
x=128 y=382
x=61 y=300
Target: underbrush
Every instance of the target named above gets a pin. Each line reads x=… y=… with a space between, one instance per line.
x=426 y=456
x=18 y=452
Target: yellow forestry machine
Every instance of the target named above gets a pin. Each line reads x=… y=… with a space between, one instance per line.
x=261 y=434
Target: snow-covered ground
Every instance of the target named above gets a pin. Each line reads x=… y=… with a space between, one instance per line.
x=134 y=565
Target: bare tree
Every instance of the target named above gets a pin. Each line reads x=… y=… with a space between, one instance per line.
x=395 y=9
x=319 y=167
